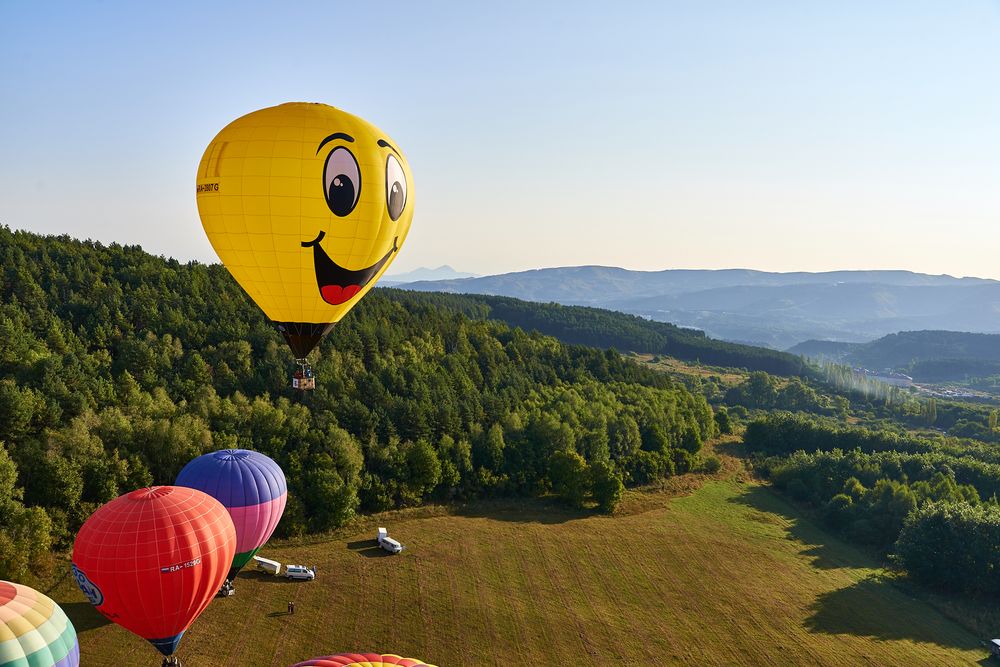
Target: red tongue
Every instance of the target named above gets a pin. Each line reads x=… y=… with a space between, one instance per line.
x=336 y=295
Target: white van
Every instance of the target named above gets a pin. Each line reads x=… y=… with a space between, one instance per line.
x=300 y=572
x=267 y=565
x=390 y=545
x=387 y=543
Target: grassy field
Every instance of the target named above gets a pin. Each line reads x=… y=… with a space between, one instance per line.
x=672 y=366
x=719 y=573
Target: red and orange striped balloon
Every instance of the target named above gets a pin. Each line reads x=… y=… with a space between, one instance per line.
x=363 y=660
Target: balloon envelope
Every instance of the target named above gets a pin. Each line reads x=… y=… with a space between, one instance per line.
x=306 y=206
x=250 y=485
x=151 y=560
x=34 y=631
x=362 y=660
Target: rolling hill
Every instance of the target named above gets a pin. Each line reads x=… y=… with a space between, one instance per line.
x=929 y=356
x=773 y=309
x=824 y=350
x=595 y=327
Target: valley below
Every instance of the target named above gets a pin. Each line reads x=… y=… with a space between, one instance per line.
x=701 y=570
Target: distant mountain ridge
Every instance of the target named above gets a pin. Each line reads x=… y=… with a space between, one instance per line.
x=443 y=272
x=824 y=350
x=759 y=307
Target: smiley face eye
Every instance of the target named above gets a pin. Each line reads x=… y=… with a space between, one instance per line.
x=341 y=181
x=395 y=187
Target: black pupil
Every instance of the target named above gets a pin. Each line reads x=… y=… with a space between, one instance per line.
x=341 y=196
x=396 y=201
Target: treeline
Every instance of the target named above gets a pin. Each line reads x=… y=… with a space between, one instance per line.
x=765 y=392
x=608 y=329
x=846 y=379
x=116 y=368
x=955 y=546
x=916 y=498
x=783 y=433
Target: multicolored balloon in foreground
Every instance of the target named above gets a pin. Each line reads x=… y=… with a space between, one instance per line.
x=250 y=485
x=151 y=560
x=34 y=631
x=362 y=660
x=306 y=206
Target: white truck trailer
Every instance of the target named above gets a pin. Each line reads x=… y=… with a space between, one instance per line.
x=267 y=565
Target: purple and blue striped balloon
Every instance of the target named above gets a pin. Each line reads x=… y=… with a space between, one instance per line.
x=248 y=484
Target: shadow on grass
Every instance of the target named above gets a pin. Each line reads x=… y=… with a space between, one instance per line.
x=361 y=544
x=861 y=610
x=368 y=549
x=534 y=510
x=734 y=449
x=825 y=549
x=266 y=577
x=873 y=607
x=83 y=615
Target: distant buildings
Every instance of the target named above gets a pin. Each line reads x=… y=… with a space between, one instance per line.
x=888 y=376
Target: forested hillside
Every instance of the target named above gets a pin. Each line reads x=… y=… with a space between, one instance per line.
x=117 y=367
x=609 y=329
x=904 y=348
x=929 y=356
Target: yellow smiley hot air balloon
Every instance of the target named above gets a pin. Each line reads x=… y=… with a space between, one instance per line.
x=306 y=206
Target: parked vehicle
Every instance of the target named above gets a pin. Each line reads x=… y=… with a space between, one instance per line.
x=391 y=545
x=387 y=543
x=300 y=572
x=267 y=565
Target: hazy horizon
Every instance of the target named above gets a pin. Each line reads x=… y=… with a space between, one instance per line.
x=648 y=136
x=397 y=269
x=391 y=273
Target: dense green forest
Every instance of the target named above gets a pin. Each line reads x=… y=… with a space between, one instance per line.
x=118 y=367
x=608 y=329
x=929 y=502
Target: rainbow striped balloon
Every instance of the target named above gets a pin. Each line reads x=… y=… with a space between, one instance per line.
x=34 y=631
x=248 y=484
x=363 y=660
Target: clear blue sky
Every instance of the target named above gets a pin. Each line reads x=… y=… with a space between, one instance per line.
x=772 y=135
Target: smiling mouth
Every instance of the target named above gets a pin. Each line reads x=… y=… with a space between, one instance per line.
x=338 y=285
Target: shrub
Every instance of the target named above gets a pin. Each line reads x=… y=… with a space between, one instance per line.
x=711 y=465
